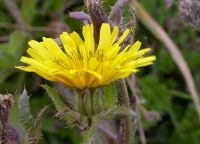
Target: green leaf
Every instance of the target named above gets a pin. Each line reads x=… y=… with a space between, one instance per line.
x=27 y=10
x=11 y=53
x=16 y=123
x=24 y=106
x=156 y=94
x=165 y=64
x=16 y=44
x=54 y=6
x=25 y=113
x=192 y=58
x=189 y=128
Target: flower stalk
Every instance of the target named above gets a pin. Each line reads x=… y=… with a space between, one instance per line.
x=126 y=123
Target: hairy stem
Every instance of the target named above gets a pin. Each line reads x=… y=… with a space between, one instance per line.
x=127 y=124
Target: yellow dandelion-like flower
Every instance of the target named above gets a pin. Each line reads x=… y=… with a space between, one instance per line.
x=79 y=64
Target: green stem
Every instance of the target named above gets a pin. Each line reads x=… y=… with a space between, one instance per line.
x=88 y=134
x=129 y=124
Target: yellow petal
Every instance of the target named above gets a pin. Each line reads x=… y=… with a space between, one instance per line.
x=104 y=39
x=124 y=35
x=68 y=43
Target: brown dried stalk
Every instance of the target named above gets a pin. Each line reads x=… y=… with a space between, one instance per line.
x=8 y=135
x=97 y=15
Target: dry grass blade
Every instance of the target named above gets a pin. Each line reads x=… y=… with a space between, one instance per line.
x=160 y=34
x=38 y=126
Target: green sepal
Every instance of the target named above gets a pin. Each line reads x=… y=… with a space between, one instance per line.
x=110 y=96
x=63 y=111
x=116 y=111
x=56 y=98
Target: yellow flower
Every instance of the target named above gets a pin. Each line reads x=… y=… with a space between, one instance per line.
x=79 y=63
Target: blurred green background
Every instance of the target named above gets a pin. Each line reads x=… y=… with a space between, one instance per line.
x=163 y=90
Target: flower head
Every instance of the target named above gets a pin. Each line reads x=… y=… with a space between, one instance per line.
x=79 y=63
